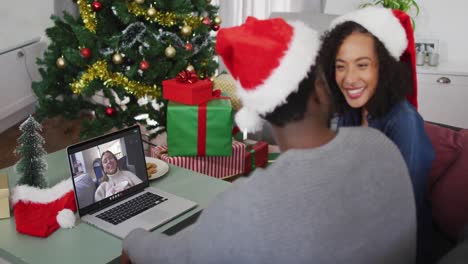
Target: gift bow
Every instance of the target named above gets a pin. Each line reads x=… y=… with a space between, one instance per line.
x=187 y=77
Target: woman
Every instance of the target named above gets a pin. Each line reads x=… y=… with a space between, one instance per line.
x=114 y=180
x=361 y=59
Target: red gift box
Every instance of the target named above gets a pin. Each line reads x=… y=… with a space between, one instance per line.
x=215 y=166
x=190 y=93
x=256 y=155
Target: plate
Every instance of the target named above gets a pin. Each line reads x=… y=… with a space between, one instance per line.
x=163 y=168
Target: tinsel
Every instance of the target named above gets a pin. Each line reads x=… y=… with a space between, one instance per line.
x=88 y=15
x=99 y=71
x=166 y=19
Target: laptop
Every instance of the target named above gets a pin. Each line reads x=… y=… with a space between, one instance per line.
x=114 y=194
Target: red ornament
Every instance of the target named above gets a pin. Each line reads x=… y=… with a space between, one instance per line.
x=110 y=111
x=97 y=6
x=215 y=27
x=144 y=65
x=85 y=53
x=206 y=21
x=188 y=46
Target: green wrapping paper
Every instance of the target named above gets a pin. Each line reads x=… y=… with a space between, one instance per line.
x=200 y=130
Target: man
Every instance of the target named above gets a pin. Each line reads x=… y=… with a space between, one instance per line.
x=320 y=202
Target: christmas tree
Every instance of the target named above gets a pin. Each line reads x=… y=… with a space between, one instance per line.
x=111 y=60
x=31 y=165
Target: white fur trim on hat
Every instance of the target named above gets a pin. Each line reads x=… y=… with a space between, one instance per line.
x=285 y=79
x=28 y=193
x=66 y=218
x=248 y=120
x=382 y=23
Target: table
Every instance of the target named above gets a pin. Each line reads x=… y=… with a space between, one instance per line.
x=84 y=243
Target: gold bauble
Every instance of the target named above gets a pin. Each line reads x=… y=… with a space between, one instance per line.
x=61 y=63
x=117 y=58
x=190 y=68
x=186 y=30
x=217 y=20
x=139 y=1
x=151 y=11
x=170 y=52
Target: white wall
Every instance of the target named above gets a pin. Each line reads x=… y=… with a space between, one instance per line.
x=444 y=21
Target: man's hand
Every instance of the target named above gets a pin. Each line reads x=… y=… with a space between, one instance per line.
x=124 y=259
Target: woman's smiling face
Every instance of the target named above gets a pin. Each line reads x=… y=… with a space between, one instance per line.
x=357 y=69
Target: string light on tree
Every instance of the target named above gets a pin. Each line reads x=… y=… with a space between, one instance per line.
x=85 y=53
x=186 y=30
x=97 y=6
x=144 y=65
x=170 y=52
x=117 y=58
x=61 y=63
x=139 y=1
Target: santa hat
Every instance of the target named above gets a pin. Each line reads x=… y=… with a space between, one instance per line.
x=268 y=58
x=394 y=29
x=39 y=212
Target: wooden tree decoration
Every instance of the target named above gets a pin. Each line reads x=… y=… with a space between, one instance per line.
x=32 y=164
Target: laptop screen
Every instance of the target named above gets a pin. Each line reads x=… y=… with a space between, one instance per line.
x=108 y=168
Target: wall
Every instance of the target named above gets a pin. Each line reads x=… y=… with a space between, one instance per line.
x=441 y=20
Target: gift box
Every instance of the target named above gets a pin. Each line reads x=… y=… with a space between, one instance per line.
x=244 y=159
x=187 y=89
x=256 y=155
x=200 y=130
x=218 y=167
x=4 y=197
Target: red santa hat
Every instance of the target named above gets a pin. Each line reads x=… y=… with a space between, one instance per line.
x=39 y=212
x=268 y=58
x=394 y=29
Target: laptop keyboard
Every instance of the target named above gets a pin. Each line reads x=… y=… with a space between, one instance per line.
x=131 y=208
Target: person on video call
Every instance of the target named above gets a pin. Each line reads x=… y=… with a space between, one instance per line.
x=115 y=180
x=320 y=202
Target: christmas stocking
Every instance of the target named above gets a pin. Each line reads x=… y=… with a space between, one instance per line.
x=39 y=212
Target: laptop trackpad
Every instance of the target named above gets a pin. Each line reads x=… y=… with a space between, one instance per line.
x=155 y=215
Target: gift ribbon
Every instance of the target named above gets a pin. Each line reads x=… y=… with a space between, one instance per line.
x=202 y=120
x=254 y=164
x=187 y=77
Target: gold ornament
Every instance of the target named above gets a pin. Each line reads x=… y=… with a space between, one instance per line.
x=88 y=15
x=151 y=12
x=217 y=20
x=166 y=19
x=170 y=52
x=99 y=71
x=186 y=30
x=117 y=58
x=61 y=63
x=190 y=68
x=139 y=1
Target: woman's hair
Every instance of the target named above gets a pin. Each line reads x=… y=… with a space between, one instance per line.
x=295 y=104
x=395 y=77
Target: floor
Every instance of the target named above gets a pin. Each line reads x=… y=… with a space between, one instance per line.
x=57 y=132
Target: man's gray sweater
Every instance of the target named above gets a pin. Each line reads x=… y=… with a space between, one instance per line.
x=349 y=201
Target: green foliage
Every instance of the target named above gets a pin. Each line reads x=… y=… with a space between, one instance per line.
x=116 y=32
x=31 y=165
x=403 y=5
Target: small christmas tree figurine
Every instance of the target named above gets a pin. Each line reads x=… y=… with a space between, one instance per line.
x=32 y=164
